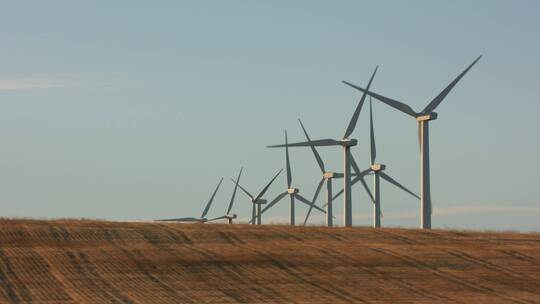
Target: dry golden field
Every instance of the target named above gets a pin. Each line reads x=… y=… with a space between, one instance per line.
x=113 y=262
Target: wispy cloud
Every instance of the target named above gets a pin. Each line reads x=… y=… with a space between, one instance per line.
x=28 y=84
x=456 y=210
x=473 y=209
x=441 y=211
x=45 y=82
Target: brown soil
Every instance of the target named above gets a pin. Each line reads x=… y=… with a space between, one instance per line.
x=111 y=262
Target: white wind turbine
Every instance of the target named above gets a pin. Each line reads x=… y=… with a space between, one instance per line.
x=203 y=218
x=228 y=215
x=257 y=201
x=327 y=176
x=291 y=191
x=422 y=119
x=377 y=170
x=346 y=143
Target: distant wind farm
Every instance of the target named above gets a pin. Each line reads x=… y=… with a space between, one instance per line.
x=349 y=165
x=206 y=152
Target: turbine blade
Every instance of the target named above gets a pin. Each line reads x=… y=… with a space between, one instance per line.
x=372 y=133
x=361 y=178
x=353 y=181
x=274 y=201
x=267 y=186
x=338 y=194
x=365 y=172
x=317 y=143
x=253 y=213
x=313 y=149
x=305 y=201
x=391 y=102
x=242 y=188
x=287 y=162
x=340 y=175
x=315 y=196
x=181 y=219
x=354 y=118
x=217 y=218
x=356 y=169
x=234 y=191
x=354 y=165
x=211 y=200
x=358 y=178
x=395 y=183
x=437 y=100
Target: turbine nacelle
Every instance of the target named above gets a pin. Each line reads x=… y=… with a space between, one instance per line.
x=230 y=216
x=348 y=142
x=429 y=116
x=259 y=201
x=331 y=175
x=378 y=167
x=328 y=175
x=293 y=190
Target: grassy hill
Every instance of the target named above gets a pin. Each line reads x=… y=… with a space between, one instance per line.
x=113 y=262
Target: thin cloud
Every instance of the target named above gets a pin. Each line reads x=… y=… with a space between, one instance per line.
x=441 y=211
x=29 y=84
x=454 y=210
x=472 y=209
x=45 y=82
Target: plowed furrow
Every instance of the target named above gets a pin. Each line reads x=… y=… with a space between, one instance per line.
x=34 y=271
x=475 y=286
x=404 y=286
x=85 y=285
x=290 y=270
x=237 y=282
x=152 y=275
x=15 y=288
x=154 y=239
x=491 y=266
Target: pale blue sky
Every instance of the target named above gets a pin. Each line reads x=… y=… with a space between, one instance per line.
x=134 y=109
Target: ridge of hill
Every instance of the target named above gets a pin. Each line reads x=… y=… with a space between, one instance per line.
x=81 y=261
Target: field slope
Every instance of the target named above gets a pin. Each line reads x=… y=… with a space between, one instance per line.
x=113 y=262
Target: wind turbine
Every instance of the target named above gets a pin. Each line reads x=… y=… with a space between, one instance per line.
x=377 y=170
x=291 y=191
x=230 y=217
x=422 y=119
x=203 y=218
x=327 y=176
x=346 y=143
x=257 y=201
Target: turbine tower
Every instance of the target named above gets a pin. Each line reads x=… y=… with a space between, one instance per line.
x=327 y=176
x=346 y=143
x=422 y=118
x=291 y=191
x=257 y=201
x=377 y=170
x=201 y=219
